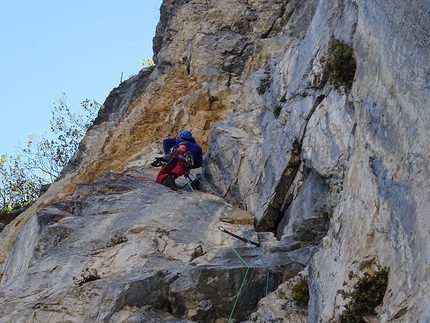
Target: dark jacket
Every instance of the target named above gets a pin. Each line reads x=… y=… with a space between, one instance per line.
x=193 y=148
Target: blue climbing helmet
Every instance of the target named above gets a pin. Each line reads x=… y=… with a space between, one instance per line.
x=185 y=133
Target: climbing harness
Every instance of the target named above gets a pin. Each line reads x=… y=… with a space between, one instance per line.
x=162 y=161
x=220 y=228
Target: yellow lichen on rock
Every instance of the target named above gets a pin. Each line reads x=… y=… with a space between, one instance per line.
x=174 y=102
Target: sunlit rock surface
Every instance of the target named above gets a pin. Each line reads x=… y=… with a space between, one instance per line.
x=123 y=240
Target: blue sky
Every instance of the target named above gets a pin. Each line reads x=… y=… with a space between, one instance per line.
x=80 y=47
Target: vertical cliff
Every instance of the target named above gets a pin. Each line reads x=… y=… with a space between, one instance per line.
x=383 y=207
x=335 y=178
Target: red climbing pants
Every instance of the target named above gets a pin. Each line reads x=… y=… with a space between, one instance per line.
x=174 y=166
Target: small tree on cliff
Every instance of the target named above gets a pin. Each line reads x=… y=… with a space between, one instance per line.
x=18 y=186
x=146 y=62
x=49 y=156
x=42 y=159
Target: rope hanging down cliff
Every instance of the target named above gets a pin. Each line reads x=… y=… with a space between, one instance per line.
x=234 y=250
x=196 y=183
x=237 y=224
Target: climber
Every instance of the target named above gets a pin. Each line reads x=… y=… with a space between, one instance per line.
x=181 y=154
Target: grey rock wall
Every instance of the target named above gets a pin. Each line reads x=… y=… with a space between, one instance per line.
x=124 y=242
x=368 y=147
x=382 y=209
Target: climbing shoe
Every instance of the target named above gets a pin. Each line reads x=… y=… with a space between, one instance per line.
x=170 y=182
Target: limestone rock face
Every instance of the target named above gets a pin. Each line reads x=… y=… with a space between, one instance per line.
x=333 y=179
x=114 y=247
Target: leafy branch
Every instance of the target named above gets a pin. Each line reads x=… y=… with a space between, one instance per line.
x=42 y=159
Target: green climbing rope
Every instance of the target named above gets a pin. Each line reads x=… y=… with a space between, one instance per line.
x=231 y=246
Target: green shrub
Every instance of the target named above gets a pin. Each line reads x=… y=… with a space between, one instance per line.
x=300 y=292
x=19 y=187
x=368 y=292
x=326 y=217
x=264 y=85
x=341 y=65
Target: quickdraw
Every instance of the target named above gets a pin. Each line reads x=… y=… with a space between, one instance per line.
x=220 y=228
